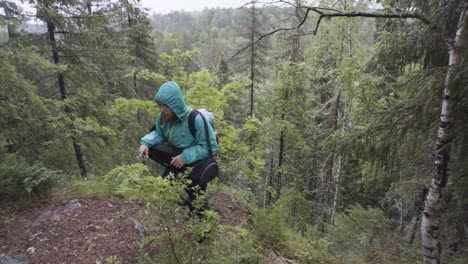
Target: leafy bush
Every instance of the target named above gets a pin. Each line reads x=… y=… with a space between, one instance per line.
x=269 y=226
x=235 y=245
x=19 y=180
x=295 y=207
x=164 y=198
x=363 y=234
x=304 y=250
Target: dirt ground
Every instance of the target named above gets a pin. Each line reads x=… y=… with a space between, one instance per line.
x=89 y=233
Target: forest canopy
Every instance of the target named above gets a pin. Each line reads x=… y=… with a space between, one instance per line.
x=342 y=121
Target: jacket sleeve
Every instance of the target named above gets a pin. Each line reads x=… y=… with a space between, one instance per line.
x=199 y=150
x=154 y=137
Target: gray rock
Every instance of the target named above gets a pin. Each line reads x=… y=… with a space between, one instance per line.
x=138 y=227
x=21 y=259
x=57 y=211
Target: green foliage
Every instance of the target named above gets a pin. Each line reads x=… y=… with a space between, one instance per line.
x=92 y=188
x=235 y=245
x=163 y=197
x=254 y=156
x=172 y=65
x=304 y=251
x=295 y=207
x=387 y=73
x=112 y=260
x=207 y=228
x=19 y=180
x=364 y=234
x=457 y=260
x=269 y=226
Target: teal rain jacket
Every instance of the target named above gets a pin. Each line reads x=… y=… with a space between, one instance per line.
x=178 y=133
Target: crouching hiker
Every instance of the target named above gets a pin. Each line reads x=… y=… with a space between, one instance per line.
x=173 y=143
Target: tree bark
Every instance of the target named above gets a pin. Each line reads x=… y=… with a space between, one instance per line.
x=252 y=60
x=268 y=183
x=337 y=188
x=328 y=180
x=431 y=217
x=6 y=9
x=280 y=163
x=63 y=96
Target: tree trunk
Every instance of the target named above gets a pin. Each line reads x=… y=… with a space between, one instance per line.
x=418 y=204
x=280 y=163
x=431 y=217
x=328 y=180
x=8 y=17
x=63 y=96
x=268 y=183
x=337 y=188
x=252 y=60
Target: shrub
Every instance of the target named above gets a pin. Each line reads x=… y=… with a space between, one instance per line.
x=235 y=245
x=303 y=250
x=269 y=226
x=361 y=234
x=20 y=180
x=164 y=198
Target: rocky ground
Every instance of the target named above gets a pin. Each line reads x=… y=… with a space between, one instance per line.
x=85 y=230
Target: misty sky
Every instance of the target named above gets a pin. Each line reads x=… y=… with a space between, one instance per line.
x=166 y=6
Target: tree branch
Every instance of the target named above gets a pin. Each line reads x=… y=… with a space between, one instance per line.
x=373 y=15
x=330 y=13
x=269 y=34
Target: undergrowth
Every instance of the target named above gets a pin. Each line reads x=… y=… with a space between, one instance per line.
x=20 y=180
x=360 y=235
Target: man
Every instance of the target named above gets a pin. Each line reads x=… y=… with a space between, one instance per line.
x=171 y=143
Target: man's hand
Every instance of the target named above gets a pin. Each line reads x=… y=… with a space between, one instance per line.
x=177 y=161
x=143 y=152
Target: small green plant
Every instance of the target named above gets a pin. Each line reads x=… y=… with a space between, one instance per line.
x=269 y=226
x=112 y=260
x=360 y=233
x=303 y=250
x=164 y=198
x=235 y=245
x=18 y=179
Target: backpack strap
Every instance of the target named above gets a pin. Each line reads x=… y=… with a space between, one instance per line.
x=191 y=122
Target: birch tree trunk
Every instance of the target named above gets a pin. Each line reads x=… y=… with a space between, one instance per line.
x=431 y=217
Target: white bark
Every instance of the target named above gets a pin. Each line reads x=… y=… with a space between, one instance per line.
x=337 y=188
x=431 y=216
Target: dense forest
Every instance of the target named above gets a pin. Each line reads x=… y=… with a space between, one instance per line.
x=342 y=124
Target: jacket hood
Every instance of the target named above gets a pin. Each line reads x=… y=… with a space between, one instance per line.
x=171 y=95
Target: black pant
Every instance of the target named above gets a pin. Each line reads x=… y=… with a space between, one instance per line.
x=163 y=155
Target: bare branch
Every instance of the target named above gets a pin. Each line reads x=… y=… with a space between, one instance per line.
x=269 y=34
x=374 y=15
x=329 y=12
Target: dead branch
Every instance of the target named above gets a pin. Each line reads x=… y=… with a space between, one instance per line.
x=330 y=13
x=269 y=34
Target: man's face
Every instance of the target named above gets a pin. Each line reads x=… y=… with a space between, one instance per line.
x=166 y=112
